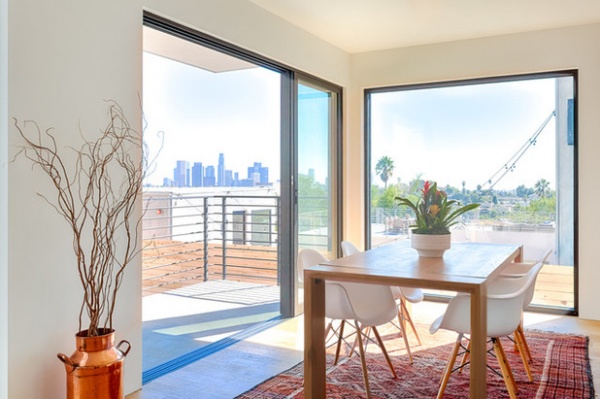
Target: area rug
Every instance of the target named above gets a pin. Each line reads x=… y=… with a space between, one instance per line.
x=560 y=367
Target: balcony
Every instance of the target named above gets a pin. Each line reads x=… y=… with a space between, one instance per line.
x=210 y=269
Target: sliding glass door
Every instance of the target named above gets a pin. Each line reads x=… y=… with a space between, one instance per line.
x=318 y=170
x=246 y=173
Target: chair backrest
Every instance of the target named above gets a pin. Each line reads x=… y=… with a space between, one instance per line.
x=505 y=305
x=370 y=304
x=349 y=248
x=308 y=257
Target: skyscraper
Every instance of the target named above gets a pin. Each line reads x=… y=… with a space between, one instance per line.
x=197 y=175
x=258 y=173
x=180 y=174
x=221 y=171
x=209 y=176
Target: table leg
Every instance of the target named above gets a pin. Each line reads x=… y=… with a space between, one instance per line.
x=314 y=338
x=478 y=342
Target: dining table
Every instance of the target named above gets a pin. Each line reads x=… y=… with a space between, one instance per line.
x=466 y=267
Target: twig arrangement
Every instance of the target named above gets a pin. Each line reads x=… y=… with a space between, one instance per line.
x=97 y=198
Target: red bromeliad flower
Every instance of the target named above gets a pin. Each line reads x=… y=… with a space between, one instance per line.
x=434 y=213
x=426 y=188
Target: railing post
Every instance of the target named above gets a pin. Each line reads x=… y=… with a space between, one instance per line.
x=224 y=232
x=205 y=231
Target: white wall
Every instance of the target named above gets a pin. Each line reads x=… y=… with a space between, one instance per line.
x=3 y=199
x=66 y=58
x=558 y=49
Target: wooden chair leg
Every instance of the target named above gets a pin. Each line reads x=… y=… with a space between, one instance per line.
x=465 y=357
x=406 y=316
x=521 y=333
x=387 y=357
x=362 y=360
x=339 y=343
x=404 y=337
x=523 y=354
x=448 y=369
x=507 y=374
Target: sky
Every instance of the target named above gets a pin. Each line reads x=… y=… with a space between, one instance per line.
x=449 y=134
x=466 y=133
x=203 y=114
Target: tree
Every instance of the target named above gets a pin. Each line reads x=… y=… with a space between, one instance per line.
x=541 y=188
x=384 y=169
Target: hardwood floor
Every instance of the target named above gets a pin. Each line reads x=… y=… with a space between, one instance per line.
x=239 y=367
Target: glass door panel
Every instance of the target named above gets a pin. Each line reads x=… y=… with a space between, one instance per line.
x=317 y=177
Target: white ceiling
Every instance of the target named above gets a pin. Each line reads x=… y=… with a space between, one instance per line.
x=366 y=25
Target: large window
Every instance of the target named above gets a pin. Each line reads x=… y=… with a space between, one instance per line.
x=508 y=144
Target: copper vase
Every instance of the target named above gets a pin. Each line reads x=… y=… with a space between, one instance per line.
x=94 y=370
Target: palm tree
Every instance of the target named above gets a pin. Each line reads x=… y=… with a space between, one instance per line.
x=541 y=188
x=384 y=168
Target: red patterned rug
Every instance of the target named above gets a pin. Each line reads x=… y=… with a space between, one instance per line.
x=560 y=367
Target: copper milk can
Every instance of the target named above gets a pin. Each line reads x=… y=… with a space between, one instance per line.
x=94 y=370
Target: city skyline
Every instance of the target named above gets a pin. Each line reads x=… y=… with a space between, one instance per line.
x=197 y=174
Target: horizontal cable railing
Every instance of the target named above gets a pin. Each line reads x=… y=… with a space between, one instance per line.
x=195 y=238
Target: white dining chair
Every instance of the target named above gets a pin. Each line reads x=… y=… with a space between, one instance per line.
x=401 y=296
x=366 y=305
x=519 y=270
x=504 y=309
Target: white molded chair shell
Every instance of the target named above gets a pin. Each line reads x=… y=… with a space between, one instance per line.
x=337 y=305
x=504 y=309
x=400 y=296
x=368 y=305
x=519 y=269
x=411 y=294
x=505 y=305
x=306 y=258
x=349 y=248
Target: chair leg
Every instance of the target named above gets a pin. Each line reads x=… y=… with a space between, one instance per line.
x=339 y=343
x=404 y=337
x=387 y=357
x=522 y=352
x=406 y=316
x=362 y=360
x=448 y=369
x=507 y=374
x=353 y=348
x=465 y=357
x=521 y=334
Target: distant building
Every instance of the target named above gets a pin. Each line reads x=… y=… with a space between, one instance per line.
x=228 y=180
x=197 y=174
x=181 y=174
x=209 y=177
x=259 y=174
x=221 y=171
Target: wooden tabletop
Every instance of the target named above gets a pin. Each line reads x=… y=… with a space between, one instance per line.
x=470 y=263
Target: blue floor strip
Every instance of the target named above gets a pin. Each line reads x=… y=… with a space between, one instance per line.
x=205 y=351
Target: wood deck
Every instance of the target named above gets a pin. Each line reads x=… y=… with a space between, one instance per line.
x=169 y=265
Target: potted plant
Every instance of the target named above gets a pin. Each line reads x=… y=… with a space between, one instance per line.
x=434 y=215
x=97 y=188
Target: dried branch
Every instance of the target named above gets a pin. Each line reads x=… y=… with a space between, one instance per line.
x=98 y=200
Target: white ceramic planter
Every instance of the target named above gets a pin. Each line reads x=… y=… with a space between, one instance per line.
x=431 y=245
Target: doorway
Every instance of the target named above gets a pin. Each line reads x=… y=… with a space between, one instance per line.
x=221 y=223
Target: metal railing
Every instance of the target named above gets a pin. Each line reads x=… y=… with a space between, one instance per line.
x=195 y=238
